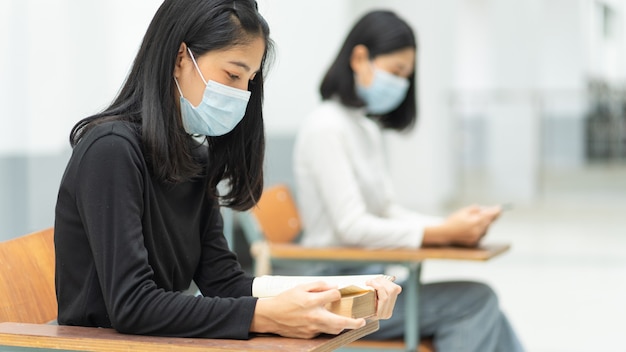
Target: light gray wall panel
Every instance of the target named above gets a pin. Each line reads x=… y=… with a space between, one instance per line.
x=28 y=189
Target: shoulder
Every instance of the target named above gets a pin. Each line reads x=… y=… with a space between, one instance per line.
x=109 y=140
x=108 y=151
x=115 y=133
x=118 y=128
x=325 y=130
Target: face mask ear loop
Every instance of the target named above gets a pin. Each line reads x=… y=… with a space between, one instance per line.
x=197 y=68
x=178 y=86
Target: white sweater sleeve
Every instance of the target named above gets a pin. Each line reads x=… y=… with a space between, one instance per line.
x=331 y=167
x=396 y=211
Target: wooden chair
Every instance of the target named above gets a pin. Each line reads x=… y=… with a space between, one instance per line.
x=28 y=303
x=272 y=229
x=27 y=293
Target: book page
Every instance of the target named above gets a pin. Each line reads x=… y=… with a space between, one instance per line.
x=272 y=285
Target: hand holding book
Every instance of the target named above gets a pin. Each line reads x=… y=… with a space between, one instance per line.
x=362 y=296
x=300 y=312
x=297 y=306
x=386 y=292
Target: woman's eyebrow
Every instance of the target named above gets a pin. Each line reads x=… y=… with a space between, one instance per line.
x=241 y=64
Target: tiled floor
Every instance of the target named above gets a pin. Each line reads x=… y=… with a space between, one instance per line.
x=563 y=284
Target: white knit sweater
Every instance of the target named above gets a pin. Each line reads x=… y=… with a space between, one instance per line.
x=344 y=189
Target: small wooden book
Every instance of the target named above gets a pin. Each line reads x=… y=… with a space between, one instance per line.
x=360 y=304
x=357 y=299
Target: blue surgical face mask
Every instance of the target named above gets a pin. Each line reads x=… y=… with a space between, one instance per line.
x=385 y=94
x=221 y=109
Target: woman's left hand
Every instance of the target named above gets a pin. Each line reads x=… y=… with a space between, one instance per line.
x=386 y=292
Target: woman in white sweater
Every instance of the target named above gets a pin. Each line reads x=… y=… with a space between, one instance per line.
x=346 y=197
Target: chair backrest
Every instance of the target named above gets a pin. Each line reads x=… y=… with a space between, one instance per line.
x=277 y=215
x=27 y=292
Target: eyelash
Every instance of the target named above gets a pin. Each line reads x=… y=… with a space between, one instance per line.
x=233 y=77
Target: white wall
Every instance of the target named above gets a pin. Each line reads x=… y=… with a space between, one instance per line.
x=64 y=59
x=60 y=61
x=605 y=53
x=521 y=82
x=306 y=34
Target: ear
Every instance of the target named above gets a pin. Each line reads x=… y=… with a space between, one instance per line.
x=361 y=65
x=359 y=59
x=180 y=59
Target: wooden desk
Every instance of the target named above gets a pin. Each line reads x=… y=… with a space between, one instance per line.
x=410 y=258
x=54 y=337
x=284 y=251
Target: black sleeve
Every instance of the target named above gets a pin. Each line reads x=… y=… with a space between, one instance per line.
x=110 y=203
x=219 y=272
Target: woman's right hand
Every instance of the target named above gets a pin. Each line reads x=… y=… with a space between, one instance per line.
x=465 y=227
x=299 y=312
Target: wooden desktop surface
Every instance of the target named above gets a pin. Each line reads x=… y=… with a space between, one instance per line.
x=75 y=338
x=292 y=251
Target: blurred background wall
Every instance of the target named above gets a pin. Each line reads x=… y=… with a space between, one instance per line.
x=520 y=101
x=510 y=92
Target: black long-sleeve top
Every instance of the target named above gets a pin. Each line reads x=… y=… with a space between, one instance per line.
x=127 y=245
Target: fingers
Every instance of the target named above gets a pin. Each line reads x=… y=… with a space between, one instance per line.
x=316 y=286
x=350 y=323
x=489 y=215
x=387 y=292
x=473 y=209
x=484 y=220
x=492 y=212
x=301 y=312
x=331 y=323
x=321 y=293
x=470 y=224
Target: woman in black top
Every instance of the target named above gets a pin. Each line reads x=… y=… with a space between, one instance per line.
x=137 y=215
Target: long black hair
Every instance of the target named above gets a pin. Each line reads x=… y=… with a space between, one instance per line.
x=148 y=98
x=382 y=32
